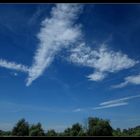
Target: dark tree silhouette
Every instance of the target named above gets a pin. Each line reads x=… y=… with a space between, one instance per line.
x=77 y=130
x=36 y=130
x=21 y=128
x=94 y=127
x=51 y=133
x=99 y=127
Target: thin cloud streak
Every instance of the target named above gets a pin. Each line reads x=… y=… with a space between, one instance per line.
x=13 y=66
x=100 y=107
x=134 y=79
x=77 y=110
x=110 y=105
x=120 y=100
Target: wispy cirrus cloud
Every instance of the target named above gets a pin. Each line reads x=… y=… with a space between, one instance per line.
x=134 y=79
x=13 y=66
x=102 y=60
x=56 y=33
x=116 y=102
x=120 y=100
x=59 y=32
x=110 y=105
x=77 y=110
x=100 y=107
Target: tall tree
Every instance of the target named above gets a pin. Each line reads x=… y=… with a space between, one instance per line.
x=1 y=133
x=77 y=130
x=36 y=130
x=21 y=128
x=99 y=127
x=51 y=133
x=117 y=132
x=67 y=132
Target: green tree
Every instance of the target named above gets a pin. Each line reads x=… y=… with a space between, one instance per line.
x=99 y=127
x=131 y=131
x=137 y=131
x=117 y=132
x=1 y=133
x=67 y=132
x=77 y=130
x=36 y=130
x=21 y=128
x=125 y=132
x=5 y=133
x=51 y=132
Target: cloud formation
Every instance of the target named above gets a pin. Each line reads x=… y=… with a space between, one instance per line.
x=77 y=110
x=134 y=79
x=120 y=100
x=59 y=32
x=56 y=33
x=13 y=66
x=102 y=60
x=115 y=103
x=110 y=105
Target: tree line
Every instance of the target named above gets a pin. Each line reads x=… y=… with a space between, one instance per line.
x=94 y=127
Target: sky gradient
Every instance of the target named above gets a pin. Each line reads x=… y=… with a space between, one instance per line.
x=61 y=63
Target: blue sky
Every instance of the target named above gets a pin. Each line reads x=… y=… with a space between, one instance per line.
x=60 y=64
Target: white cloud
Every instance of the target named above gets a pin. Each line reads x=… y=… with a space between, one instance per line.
x=13 y=66
x=102 y=60
x=77 y=110
x=115 y=103
x=123 y=84
x=96 y=76
x=120 y=100
x=134 y=79
x=56 y=33
x=110 y=105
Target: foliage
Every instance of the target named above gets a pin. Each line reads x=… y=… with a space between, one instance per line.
x=51 y=132
x=75 y=130
x=117 y=132
x=21 y=128
x=5 y=133
x=99 y=127
x=94 y=127
x=36 y=130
